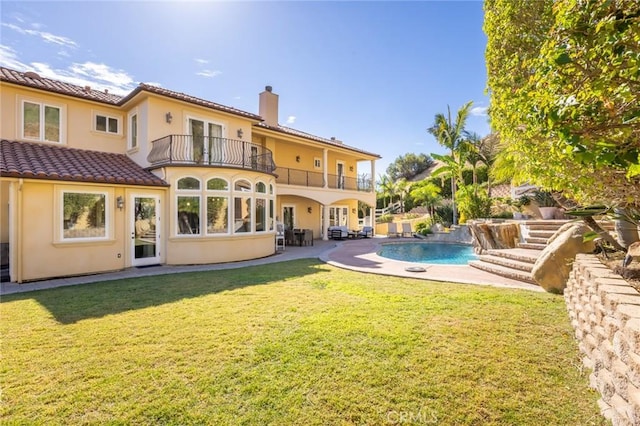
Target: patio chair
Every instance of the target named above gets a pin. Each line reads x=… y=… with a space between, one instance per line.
x=366 y=232
x=280 y=239
x=392 y=230
x=406 y=229
x=308 y=237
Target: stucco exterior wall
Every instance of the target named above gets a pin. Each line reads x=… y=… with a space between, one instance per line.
x=605 y=313
x=77 y=119
x=43 y=254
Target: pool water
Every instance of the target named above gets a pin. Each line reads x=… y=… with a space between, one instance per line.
x=438 y=253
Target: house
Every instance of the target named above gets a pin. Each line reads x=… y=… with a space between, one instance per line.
x=92 y=182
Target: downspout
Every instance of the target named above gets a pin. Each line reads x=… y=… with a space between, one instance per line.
x=17 y=234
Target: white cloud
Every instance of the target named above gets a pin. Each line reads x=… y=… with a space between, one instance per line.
x=201 y=61
x=9 y=59
x=478 y=111
x=209 y=73
x=291 y=119
x=47 y=37
x=97 y=76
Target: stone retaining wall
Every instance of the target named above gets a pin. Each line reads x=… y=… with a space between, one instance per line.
x=605 y=313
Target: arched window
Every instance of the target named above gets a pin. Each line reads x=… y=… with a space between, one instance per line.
x=217 y=184
x=188 y=183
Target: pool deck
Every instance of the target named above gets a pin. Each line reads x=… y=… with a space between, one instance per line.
x=357 y=255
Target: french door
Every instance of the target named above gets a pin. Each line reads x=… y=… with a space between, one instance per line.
x=145 y=230
x=207 y=141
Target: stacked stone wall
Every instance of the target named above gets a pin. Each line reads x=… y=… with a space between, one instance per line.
x=605 y=313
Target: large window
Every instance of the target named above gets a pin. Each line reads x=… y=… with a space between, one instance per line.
x=84 y=215
x=41 y=122
x=220 y=207
x=242 y=206
x=217 y=206
x=188 y=206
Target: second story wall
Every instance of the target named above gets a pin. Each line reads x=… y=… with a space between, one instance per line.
x=44 y=117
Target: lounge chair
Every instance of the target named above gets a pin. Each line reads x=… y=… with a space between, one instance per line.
x=392 y=230
x=338 y=232
x=406 y=229
x=366 y=232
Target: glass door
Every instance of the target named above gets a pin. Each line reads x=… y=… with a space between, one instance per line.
x=145 y=247
x=338 y=216
x=196 y=130
x=288 y=215
x=340 y=173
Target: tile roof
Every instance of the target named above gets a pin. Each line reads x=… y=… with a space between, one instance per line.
x=51 y=162
x=294 y=132
x=31 y=79
x=190 y=99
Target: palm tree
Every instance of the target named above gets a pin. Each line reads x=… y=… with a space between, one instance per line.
x=402 y=188
x=488 y=151
x=451 y=134
x=386 y=189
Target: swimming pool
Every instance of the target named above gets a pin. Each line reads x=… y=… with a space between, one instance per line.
x=438 y=253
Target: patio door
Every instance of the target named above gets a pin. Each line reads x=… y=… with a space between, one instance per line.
x=289 y=217
x=145 y=230
x=338 y=216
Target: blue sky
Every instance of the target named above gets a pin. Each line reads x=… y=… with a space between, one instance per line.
x=372 y=74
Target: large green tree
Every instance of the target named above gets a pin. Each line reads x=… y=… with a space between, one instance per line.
x=564 y=82
x=409 y=165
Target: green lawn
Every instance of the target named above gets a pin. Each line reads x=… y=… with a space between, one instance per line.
x=293 y=343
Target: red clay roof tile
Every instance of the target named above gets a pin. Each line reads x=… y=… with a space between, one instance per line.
x=51 y=162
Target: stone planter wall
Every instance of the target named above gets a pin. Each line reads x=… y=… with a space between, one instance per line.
x=605 y=313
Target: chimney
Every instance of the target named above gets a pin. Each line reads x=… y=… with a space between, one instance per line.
x=268 y=108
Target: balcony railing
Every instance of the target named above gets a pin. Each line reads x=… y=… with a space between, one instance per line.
x=288 y=176
x=210 y=151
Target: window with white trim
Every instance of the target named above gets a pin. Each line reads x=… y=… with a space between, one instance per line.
x=217 y=206
x=317 y=163
x=106 y=123
x=242 y=206
x=41 y=122
x=188 y=206
x=84 y=215
x=133 y=131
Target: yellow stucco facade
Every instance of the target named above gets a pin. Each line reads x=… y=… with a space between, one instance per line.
x=218 y=179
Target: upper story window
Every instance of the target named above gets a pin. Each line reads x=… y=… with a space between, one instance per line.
x=107 y=124
x=317 y=163
x=41 y=122
x=133 y=131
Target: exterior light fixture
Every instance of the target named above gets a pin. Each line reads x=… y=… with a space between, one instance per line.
x=168 y=117
x=240 y=133
x=297 y=158
x=350 y=168
x=120 y=202
x=309 y=209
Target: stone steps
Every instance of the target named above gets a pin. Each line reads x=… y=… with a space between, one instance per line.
x=509 y=263
x=517 y=263
x=532 y=246
x=503 y=271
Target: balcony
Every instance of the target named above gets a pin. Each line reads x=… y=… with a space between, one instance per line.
x=306 y=178
x=210 y=151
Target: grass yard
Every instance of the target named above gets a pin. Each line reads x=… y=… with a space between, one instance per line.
x=293 y=343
